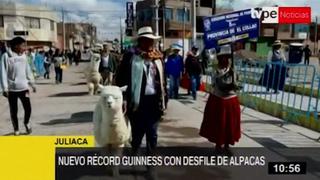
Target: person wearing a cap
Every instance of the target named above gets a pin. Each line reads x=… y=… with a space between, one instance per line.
x=174 y=68
x=107 y=67
x=221 y=120
x=16 y=77
x=144 y=101
x=274 y=75
x=193 y=69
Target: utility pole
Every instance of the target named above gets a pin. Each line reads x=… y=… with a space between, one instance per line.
x=163 y=24
x=184 y=28
x=121 y=38
x=214 y=6
x=194 y=21
x=63 y=30
x=316 y=36
x=156 y=7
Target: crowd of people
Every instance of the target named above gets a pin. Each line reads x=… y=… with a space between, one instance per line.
x=145 y=71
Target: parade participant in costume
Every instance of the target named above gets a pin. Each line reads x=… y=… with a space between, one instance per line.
x=16 y=76
x=174 y=69
x=39 y=63
x=221 y=121
x=142 y=70
x=31 y=61
x=274 y=75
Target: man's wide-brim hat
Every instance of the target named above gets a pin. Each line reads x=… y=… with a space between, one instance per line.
x=147 y=33
x=108 y=45
x=277 y=43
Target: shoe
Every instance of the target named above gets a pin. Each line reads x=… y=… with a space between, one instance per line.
x=28 y=128
x=16 y=133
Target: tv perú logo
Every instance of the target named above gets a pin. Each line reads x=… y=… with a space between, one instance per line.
x=282 y=15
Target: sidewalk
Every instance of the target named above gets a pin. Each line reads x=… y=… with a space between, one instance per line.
x=258 y=129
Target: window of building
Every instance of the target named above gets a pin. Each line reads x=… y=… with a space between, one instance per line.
x=148 y=14
x=1 y=21
x=168 y=13
x=208 y=4
x=181 y=13
x=284 y=28
x=32 y=23
x=141 y=16
x=51 y=25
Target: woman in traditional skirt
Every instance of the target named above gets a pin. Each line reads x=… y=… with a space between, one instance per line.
x=221 y=121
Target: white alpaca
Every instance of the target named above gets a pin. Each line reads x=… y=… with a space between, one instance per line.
x=110 y=126
x=92 y=74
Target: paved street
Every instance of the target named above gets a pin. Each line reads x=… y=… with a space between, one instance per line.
x=67 y=110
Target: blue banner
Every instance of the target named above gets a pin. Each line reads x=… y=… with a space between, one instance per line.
x=231 y=27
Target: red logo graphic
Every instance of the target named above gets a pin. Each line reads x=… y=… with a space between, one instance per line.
x=294 y=15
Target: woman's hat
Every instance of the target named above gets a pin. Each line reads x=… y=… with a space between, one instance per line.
x=277 y=43
x=176 y=47
x=225 y=51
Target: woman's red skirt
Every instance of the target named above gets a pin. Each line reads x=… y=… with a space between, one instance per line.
x=221 y=120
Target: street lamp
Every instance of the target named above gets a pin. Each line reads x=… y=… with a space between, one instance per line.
x=184 y=27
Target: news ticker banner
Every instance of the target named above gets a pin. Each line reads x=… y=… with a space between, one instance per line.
x=74 y=157
x=33 y=157
x=189 y=163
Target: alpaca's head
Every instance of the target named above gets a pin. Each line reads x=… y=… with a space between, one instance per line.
x=95 y=62
x=111 y=97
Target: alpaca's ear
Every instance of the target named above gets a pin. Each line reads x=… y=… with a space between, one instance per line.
x=100 y=86
x=123 y=88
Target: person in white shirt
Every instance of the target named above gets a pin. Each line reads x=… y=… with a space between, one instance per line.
x=16 y=77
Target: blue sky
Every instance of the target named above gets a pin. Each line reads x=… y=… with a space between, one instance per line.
x=108 y=20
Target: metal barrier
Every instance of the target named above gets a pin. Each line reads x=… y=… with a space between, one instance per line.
x=288 y=91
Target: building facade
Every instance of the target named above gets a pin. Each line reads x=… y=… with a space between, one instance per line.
x=37 y=24
x=77 y=35
x=175 y=18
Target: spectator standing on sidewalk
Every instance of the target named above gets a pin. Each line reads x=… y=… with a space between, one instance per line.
x=174 y=68
x=47 y=64
x=307 y=54
x=16 y=76
x=58 y=60
x=221 y=120
x=193 y=68
x=142 y=71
